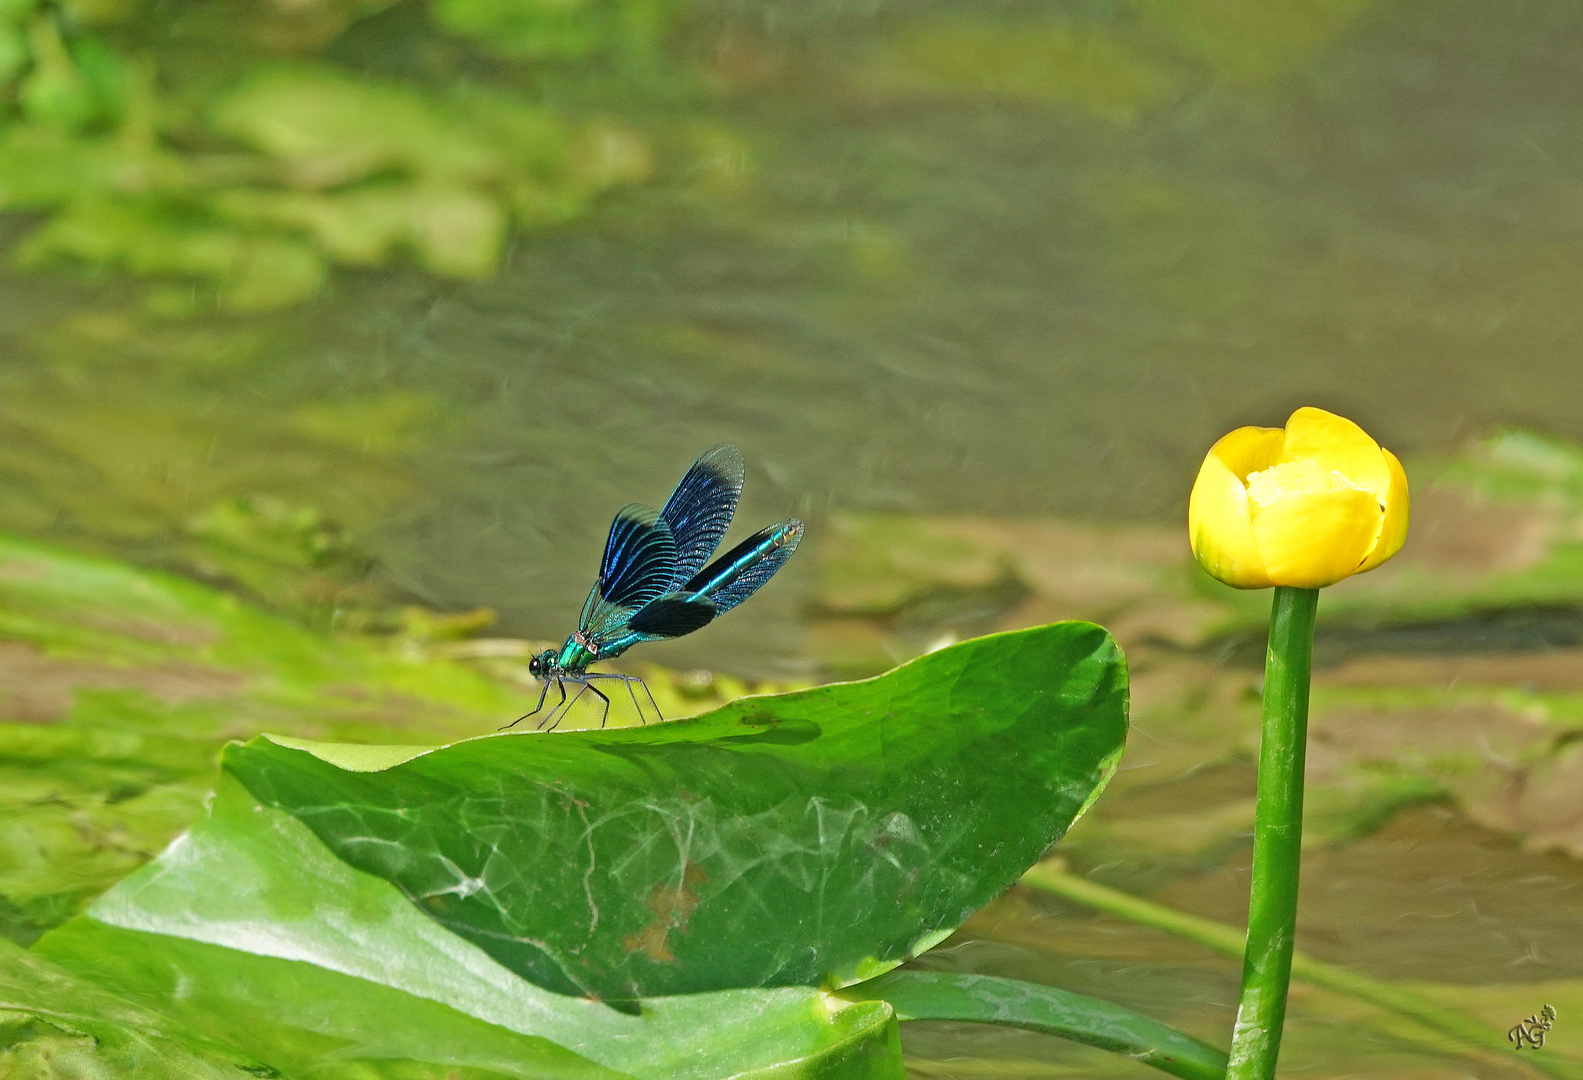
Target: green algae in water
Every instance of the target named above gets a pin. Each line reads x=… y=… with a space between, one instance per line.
x=291 y=170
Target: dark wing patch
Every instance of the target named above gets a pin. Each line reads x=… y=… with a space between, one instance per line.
x=673 y=615
x=737 y=574
x=700 y=509
x=640 y=557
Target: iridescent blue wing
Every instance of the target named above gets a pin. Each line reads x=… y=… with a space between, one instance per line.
x=672 y=615
x=601 y=620
x=737 y=574
x=639 y=566
x=700 y=509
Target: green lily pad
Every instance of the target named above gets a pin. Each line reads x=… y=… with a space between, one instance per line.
x=250 y=940
x=56 y=1025
x=772 y=842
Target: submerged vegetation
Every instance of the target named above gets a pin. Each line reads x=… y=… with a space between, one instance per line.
x=234 y=154
x=252 y=192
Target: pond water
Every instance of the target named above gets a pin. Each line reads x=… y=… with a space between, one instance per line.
x=1032 y=273
x=1017 y=259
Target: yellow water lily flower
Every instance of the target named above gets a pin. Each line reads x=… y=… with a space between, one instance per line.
x=1303 y=506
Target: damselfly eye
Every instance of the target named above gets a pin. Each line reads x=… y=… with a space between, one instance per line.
x=534 y=666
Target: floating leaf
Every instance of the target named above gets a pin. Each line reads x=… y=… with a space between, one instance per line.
x=770 y=843
x=250 y=934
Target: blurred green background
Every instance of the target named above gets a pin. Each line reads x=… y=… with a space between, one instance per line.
x=334 y=331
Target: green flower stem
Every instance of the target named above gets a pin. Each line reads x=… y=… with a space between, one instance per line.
x=1277 y=837
x=1465 y=1033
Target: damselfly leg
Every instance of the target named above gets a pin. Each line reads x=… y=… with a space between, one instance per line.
x=657 y=714
x=606 y=714
x=629 y=680
x=542 y=694
x=633 y=694
x=583 y=682
x=563 y=707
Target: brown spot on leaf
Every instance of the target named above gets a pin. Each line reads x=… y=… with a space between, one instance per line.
x=672 y=907
x=650 y=941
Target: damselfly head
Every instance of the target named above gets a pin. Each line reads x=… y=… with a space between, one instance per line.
x=541 y=664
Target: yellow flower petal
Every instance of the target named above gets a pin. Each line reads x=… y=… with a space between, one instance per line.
x=1303 y=506
x=1249 y=449
x=1311 y=525
x=1394 y=528
x=1220 y=525
x=1316 y=435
